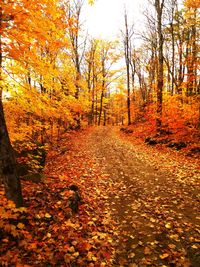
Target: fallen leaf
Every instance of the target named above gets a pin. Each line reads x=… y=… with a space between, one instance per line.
x=48 y=235
x=168 y=225
x=195 y=247
x=131 y=255
x=20 y=225
x=172 y=246
x=147 y=251
x=152 y=220
x=164 y=256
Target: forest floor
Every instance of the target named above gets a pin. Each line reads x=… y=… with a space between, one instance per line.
x=139 y=206
x=154 y=199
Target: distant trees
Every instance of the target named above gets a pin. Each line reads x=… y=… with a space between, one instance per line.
x=164 y=68
x=99 y=59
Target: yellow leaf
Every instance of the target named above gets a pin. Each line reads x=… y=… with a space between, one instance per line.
x=76 y=254
x=90 y=2
x=168 y=225
x=164 y=256
x=22 y=209
x=70 y=224
x=33 y=246
x=95 y=237
x=132 y=255
x=94 y=258
x=147 y=251
x=89 y=255
x=71 y=249
x=172 y=246
x=48 y=235
x=11 y=204
x=175 y=237
x=47 y=215
x=20 y=225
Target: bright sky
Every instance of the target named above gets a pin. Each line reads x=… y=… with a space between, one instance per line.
x=106 y=17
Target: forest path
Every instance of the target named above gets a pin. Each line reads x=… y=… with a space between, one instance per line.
x=153 y=200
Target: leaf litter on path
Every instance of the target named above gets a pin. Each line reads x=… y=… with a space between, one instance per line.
x=156 y=207
x=137 y=207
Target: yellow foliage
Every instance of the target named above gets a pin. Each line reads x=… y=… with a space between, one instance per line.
x=90 y=2
x=193 y=3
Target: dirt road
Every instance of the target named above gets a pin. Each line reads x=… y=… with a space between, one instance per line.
x=154 y=200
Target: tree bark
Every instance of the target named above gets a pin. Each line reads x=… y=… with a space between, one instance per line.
x=103 y=86
x=101 y=107
x=8 y=169
x=173 y=56
x=159 y=10
x=127 y=59
x=74 y=12
x=191 y=57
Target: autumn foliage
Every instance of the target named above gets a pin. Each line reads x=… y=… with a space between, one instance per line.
x=42 y=60
x=55 y=80
x=47 y=232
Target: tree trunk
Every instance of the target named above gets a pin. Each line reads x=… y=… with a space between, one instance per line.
x=93 y=95
x=102 y=90
x=104 y=117
x=181 y=64
x=191 y=58
x=159 y=10
x=8 y=169
x=127 y=48
x=173 y=55
x=101 y=107
x=96 y=110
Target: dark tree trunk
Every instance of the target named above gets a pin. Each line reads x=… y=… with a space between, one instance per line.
x=173 y=56
x=93 y=95
x=127 y=59
x=181 y=64
x=96 y=110
x=101 y=107
x=8 y=169
x=74 y=12
x=102 y=90
x=159 y=10
x=104 y=117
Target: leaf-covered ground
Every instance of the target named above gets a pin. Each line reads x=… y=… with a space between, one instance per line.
x=47 y=233
x=155 y=199
x=139 y=207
